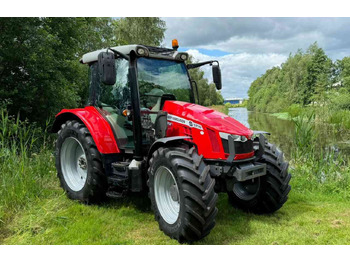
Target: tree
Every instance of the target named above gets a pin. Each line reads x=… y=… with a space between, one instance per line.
x=39 y=58
x=342 y=73
x=318 y=74
x=139 y=30
x=302 y=79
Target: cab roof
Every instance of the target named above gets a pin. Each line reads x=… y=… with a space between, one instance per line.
x=150 y=51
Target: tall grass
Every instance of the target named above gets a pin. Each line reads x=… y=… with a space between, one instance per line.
x=317 y=168
x=26 y=164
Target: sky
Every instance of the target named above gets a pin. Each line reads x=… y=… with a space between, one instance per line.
x=247 y=47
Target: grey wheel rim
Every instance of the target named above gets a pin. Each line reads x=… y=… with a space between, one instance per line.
x=247 y=190
x=166 y=193
x=73 y=164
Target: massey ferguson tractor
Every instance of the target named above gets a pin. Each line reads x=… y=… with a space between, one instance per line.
x=144 y=130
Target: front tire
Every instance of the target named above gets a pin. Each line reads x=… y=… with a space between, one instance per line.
x=78 y=163
x=182 y=193
x=268 y=193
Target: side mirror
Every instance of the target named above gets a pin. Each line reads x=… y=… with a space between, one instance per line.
x=217 y=76
x=106 y=65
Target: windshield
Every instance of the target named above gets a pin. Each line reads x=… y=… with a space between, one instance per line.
x=159 y=77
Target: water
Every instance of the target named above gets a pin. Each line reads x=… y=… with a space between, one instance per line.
x=282 y=131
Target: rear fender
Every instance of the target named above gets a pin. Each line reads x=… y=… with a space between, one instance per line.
x=98 y=126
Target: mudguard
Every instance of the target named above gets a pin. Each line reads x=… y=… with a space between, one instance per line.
x=161 y=142
x=98 y=126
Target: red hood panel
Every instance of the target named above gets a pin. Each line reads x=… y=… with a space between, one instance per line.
x=207 y=117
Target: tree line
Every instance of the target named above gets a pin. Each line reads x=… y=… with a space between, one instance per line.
x=40 y=71
x=306 y=78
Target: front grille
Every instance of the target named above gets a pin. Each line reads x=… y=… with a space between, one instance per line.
x=240 y=147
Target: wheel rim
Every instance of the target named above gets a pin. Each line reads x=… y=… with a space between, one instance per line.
x=73 y=163
x=247 y=190
x=167 y=196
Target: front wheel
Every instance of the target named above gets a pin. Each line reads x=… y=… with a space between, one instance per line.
x=268 y=193
x=182 y=193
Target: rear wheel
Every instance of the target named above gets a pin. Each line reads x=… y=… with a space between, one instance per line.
x=182 y=193
x=268 y=193
x=78 y=163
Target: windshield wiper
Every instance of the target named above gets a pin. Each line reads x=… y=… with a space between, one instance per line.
x=190 y=66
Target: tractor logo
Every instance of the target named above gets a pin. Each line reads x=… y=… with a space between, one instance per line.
x=184 y=121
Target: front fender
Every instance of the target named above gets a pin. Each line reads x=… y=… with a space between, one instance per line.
x=167 y=141
x=98 y=126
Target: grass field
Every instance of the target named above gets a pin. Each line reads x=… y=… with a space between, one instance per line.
x=305 y=219
x=34 y=209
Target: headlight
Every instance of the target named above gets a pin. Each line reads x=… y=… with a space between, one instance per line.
x=181 y=56
x=142 y=51
x=235 y=137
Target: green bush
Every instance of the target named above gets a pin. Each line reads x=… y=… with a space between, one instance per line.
x=340 y=118
x=294 y=110
x=314 y=168
x=340 y=100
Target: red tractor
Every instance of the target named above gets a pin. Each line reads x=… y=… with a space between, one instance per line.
x=142 y=130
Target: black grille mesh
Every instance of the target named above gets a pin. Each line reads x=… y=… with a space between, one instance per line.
x=240 y=147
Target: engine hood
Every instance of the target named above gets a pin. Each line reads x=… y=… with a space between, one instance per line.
x=207 y=118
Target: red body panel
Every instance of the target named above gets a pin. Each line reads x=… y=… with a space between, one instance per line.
x=202 y=124
x=204 y=118
x=99 y=128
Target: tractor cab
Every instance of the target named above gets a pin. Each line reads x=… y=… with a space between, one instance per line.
x=129 y=85
x=161 y=76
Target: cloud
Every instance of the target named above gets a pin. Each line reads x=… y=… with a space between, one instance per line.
x=239 y=70
x=250 y=46
x=260 y=35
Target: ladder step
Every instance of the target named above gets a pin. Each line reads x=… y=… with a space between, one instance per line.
x=115 y=194
x=116 y=180
x=120 y=166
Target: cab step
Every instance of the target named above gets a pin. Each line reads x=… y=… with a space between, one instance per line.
x=127 y=175
x=115 y=194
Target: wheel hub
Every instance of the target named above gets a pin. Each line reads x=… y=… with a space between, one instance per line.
x=73 y=163
x=82 y=163
x=166 y=194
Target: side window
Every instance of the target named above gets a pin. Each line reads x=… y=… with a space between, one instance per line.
x=117 y=96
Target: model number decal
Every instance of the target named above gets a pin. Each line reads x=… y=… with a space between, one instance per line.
x=184 y=121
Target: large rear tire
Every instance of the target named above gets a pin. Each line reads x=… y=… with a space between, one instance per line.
x=78 y=163
x=182 y=193
x=268 y=193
